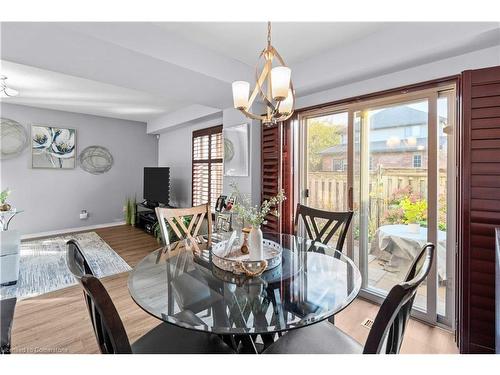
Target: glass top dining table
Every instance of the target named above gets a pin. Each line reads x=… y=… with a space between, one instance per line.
x=179 y=284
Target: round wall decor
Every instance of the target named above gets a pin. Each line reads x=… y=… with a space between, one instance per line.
x=96 y=160
x=14 y=138
x=228 y=150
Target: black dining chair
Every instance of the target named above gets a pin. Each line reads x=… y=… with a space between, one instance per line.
x=163 y=339
x=110 y=332
x=7 y=308
x=76 y=261
x=322 y=225
x=387 y=332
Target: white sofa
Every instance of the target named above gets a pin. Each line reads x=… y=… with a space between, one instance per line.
x=10 y=244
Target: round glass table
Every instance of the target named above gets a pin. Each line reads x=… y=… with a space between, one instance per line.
x=6 y=217
x=179 y=285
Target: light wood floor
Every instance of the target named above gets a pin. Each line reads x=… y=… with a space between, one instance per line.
x=58 y=322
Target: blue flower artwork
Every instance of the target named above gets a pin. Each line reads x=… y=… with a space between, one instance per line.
x=52 y=147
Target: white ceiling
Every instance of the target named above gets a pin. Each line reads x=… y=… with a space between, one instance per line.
x=143 y=71
x=46 y=89
x=295 y=41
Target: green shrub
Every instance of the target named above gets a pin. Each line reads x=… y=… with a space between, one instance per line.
x=414 y=212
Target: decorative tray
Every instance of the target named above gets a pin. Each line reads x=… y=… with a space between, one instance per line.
x=233 y=260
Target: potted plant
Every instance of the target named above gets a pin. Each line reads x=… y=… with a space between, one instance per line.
x=129 y=210
x=414 y=213
x=3 y=197
x=255 y=216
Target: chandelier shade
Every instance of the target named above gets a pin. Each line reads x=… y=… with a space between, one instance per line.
x=286 y=106
x=272 y=84
x=280 y=82
x=241 y=90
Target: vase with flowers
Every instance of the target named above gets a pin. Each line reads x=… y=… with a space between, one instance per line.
x=255 y=215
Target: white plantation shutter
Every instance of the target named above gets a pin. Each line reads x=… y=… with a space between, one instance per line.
x=207 y=165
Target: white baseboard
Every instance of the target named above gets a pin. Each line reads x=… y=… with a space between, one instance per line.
x=70 y=230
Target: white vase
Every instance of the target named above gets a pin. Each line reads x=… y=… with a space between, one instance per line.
x=255 y=238
x=414 y=228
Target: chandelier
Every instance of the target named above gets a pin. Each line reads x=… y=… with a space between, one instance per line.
x=6 y=92
x=273 y=84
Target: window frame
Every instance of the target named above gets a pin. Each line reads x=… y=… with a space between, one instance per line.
x=214 y=130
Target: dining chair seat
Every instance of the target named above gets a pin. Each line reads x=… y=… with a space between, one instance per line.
x=191 y=293
x=319 y=338
x=170 y=339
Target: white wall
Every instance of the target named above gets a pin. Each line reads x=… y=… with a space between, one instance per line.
x=175 y=151
x=195 y=113
x=52 y=199
x=175 y=148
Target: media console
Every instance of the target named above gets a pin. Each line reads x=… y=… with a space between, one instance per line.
x=146 y=216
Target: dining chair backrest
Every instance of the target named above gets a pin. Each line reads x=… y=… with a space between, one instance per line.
x=106 y=322
x=386 y=334
x=175 y=218
x=76 y=261
x=322 y=225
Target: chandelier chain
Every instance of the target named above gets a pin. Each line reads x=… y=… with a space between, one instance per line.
x=268 y=33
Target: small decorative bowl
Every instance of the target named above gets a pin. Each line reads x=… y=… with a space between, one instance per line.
x=237 y=262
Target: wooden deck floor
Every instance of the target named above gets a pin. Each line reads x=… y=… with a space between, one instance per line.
x=58 y=322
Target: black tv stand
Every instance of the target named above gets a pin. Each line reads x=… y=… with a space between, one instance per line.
x=146 y=215
x=150 y=205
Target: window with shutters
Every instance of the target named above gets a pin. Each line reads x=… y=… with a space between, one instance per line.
x=207 y=165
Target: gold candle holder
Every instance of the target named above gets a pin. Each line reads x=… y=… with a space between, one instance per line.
x=244 y=246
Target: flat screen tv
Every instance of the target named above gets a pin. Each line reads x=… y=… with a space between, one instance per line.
x=157 y=185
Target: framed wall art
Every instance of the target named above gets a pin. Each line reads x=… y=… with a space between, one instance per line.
x=53 y=147
x=236 y=150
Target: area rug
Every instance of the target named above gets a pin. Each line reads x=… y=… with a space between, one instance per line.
x=43 y=267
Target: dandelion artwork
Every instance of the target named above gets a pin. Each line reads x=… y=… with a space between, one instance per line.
x=53 y=148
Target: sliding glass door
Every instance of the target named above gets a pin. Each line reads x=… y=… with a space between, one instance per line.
x=392 y=161
x=326 y=166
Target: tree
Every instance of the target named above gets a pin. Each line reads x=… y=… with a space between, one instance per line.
x=320 y=136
